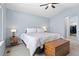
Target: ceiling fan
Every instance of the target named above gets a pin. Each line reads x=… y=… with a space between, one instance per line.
x=48 y=5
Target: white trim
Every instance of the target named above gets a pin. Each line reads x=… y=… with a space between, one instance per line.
x=2 y=21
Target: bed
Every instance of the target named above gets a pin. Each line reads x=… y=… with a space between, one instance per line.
x=37 y=39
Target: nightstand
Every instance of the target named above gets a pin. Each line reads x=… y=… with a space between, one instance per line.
x=14 y=41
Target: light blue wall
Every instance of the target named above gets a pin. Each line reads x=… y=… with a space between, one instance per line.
x=57 y=23
x=22 y=20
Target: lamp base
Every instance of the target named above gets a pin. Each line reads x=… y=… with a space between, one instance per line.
x=14 y=41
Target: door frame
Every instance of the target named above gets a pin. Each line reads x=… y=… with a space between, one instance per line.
x=67 y=26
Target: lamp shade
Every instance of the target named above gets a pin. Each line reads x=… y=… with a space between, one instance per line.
x=13 y=30
x=45 y=28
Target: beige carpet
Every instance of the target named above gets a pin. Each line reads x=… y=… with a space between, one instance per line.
x=21 y=50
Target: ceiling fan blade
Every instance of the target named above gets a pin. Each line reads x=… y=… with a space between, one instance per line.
x=55 y=3
x=46 y=7
x=52 y=6
x=43 y=4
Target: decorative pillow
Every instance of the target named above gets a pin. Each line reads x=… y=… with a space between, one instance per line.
x=40 y=30
x=31 y=30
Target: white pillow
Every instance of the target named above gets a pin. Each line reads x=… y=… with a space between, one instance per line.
x=40 y=30
x=31 y=30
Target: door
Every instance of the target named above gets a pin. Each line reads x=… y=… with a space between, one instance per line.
x=67 y=26
x=70 y=21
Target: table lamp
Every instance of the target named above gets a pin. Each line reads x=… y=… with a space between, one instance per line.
x=13 y=32
x=45 y=28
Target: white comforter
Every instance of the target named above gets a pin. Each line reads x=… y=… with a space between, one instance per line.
x=34 y=40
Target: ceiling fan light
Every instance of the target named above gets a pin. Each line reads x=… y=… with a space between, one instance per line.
x=49 y=5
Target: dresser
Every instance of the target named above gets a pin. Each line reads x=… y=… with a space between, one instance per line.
x=58 y=47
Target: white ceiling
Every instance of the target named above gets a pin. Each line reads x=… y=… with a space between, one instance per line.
x=35 y=9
